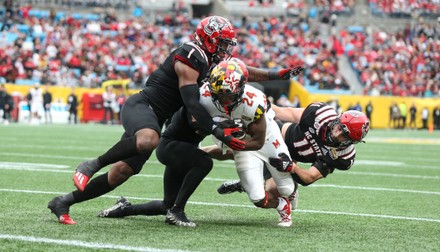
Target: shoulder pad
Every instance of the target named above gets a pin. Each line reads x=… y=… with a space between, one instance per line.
x=192 y=50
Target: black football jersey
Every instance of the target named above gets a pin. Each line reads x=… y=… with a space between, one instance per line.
x=180 y=129
x=305 y=140
x=162 y=87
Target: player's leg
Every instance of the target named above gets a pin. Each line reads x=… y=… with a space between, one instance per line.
x=119 y=173
x=142 y=136
x=250 y=171
x=123 y=207
x=271 y=187
x=185 y=161
x=276 y=146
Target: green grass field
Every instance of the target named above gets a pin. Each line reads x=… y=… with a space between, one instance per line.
x=388 y=201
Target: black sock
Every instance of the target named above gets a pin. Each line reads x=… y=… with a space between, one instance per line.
x=69 y=199
x=94 y=166
x=123 y=149
x=154 y=207
x=97 y=187
x=192 y=180
x=176 y=209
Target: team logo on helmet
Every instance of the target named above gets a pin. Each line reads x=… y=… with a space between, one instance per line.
x=215 y=24
x=227 y=85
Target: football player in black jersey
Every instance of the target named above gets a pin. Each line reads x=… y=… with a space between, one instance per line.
x=173 y=85
x=178 y=149
x=315 y=134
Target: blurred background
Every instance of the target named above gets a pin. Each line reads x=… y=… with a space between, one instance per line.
x=77 y=61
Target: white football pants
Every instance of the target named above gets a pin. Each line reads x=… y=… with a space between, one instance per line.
x=250 y=165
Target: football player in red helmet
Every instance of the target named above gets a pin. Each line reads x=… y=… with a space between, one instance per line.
x=173 y=85
x=216 y=36
x=350 y=128
x=315 y=134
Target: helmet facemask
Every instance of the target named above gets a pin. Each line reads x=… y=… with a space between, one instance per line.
x=224 y=50
x=328 y=134
x=354 y=126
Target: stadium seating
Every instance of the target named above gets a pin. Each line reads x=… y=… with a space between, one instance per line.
x=270 y=42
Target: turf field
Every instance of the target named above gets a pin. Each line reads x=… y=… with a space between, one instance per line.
x=388 y=201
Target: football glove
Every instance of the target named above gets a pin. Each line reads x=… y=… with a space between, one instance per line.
x=286 y=73
x=282 y=163
x=227 y=125
x=225 y=135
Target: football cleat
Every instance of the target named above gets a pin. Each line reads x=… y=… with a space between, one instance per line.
x=178 y=218
x=230 y=187
x=82 y=175
x=117 y=210
x=285 y=219
x=61 y=210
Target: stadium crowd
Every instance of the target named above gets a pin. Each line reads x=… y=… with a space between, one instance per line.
x=85 y=51
x=81 y=52
x=404 y=8
x=402 y=64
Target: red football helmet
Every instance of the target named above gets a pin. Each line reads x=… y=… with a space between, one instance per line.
x=216 y=36
x=226 y=84
x=354 y=124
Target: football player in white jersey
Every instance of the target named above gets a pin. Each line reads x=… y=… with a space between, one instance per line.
x=252 y=110
x=231 y=103
x=316 y=135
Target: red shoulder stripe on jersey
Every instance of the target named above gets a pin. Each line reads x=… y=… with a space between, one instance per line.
x=184 y=61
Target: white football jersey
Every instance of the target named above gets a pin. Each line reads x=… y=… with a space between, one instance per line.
x=250 y=164
x=252 y=107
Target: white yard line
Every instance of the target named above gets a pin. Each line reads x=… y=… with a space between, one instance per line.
x=30 y=168
x=83 y=244
x=376 y=189
x=243 y=206
x=224 y=164
x=404 y=140
x=391 y=175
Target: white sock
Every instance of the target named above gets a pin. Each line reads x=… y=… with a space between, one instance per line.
x=281 y=203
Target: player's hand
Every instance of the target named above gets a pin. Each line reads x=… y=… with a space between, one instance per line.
x=236 y=144
x=226 y=136
x=233 y=127
x=287 y=73
x=282 y=163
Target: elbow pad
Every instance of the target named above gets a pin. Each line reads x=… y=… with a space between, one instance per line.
x=322 y=167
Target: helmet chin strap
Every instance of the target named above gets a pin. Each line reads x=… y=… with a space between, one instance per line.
x=215 y=58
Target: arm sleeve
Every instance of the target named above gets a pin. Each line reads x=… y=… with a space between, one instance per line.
x=190 y=96
x=323 y=167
